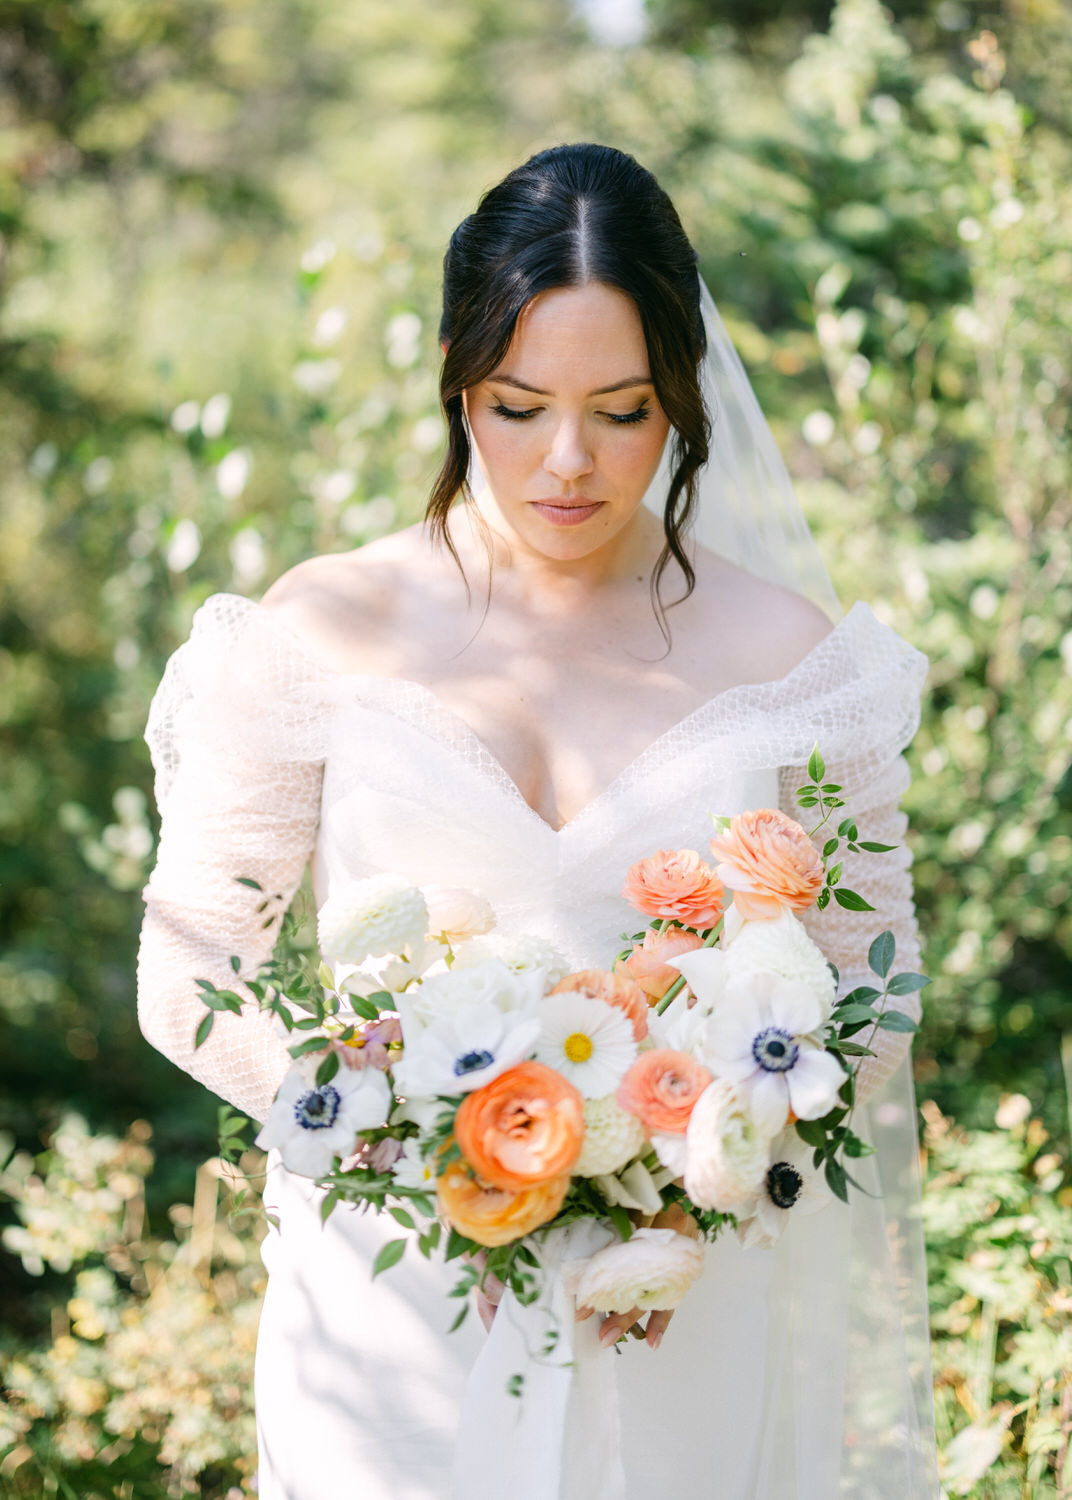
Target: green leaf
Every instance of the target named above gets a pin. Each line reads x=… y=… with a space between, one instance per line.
x=383 y=999
x=816 y=765
x=831 y=787
x=620 y=1219
x=830 y=847
x=862 y=995
x=400 y=1216
x=204 y=1027
x=854 y=1049
x=236 y=962
x=364 y=1007
x=254 y=885
x=896 y=1020
x=463 y=1313
x=822 y=901
x=880 y=954
x=808 y=801
x=311 y=1044
x=854 y=1146
x=873 y=848
x=811 y=1132
x=907 y=984
x=457 y=1245
x=328 y=1204
x=851 y=901
x=834 y=875
x=849 y=1014
x=328 y=1068
x=835 y=1176
x=389 y=1256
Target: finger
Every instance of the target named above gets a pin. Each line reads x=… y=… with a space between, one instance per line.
x=486 y=1310
x=616 y=1324
x=584 y=1312
x=657 y=1326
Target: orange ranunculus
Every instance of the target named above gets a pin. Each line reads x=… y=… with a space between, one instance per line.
x=524 y=1127
x=619 y=990
x=661 y=1088
x=675 y=885
x=769 y=863
x=493 y=1215
x=648 y=963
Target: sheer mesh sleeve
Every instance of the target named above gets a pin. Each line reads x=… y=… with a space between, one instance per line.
x=866 y=759
x=235 y=733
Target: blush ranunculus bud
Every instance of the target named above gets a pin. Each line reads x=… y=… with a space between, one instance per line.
x=676 y=885
x=654 y=1268
x=661 y=1089
x=493 y=1215
x=457 y=914
x=648 y=965
x=522 y=1128
x=767 y=860
x=619 y=990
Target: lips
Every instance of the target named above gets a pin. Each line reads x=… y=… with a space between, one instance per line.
x=571 y=512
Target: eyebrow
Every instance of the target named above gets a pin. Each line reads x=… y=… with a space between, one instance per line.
x=629 y=383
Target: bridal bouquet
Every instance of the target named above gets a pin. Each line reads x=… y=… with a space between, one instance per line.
x=462 y=1080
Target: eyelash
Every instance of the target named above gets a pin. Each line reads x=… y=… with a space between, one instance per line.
x=626 y=419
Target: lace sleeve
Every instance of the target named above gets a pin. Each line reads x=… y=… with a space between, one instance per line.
x=235 y=733
x=885 y=881
x=858 y=698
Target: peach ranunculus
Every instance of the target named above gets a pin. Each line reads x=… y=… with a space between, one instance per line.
x=620 y=990
x=493 y=1215
x=648 y=965
x=675 y=885
x=522 y=1128
x=769 y=863
x=661 y=1088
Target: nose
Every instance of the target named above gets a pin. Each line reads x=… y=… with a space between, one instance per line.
x=568 y=457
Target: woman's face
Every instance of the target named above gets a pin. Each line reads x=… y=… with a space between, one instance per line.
x=568 y=429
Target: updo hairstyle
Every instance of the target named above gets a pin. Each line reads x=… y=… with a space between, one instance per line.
x=567 y=217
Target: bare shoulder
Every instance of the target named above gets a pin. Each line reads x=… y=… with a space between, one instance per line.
x=346 y=607
x=772 y=628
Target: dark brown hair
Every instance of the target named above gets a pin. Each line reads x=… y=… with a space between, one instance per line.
x=567 y=217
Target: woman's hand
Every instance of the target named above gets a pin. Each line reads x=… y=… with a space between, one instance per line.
x=617 y=1325
x=489 y=1290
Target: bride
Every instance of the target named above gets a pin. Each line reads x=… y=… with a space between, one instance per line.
x=548 y=680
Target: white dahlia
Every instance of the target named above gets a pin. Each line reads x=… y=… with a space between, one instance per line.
x=371 y=918
x=487 y=983
x=654 y=1268
x=781 y=946
x=612 y=1136
x=726 y=1153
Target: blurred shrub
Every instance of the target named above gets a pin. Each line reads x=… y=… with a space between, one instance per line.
x=144 y=1384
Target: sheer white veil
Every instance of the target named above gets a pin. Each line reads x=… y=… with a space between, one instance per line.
x=747 y=509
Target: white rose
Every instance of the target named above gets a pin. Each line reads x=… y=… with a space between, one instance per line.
x=487 y=983
x=521 y=953
x=612 y=1136
x=781 y=946
x=370 y=918
x=726 y=1154
x=654 y=1268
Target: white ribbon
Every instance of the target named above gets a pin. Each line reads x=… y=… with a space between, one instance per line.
x=558 y=1438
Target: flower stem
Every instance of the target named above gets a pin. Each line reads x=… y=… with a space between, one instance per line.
x=678 y=985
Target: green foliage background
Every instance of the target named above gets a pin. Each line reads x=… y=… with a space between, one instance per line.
x=221 y=223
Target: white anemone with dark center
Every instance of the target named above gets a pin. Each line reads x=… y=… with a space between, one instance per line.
x=765 y=1036
x=311 y=1124
x=460 y=1051
x=792 y=1189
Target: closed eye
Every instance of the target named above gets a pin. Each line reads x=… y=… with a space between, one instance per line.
x=622 y=419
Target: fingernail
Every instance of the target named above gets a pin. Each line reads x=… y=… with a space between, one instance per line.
x=608 y=1335
x=657 y=1340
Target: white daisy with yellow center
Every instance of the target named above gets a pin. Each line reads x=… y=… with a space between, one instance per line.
x=588 y=1041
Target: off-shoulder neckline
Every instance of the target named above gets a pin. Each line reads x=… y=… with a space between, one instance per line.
x=464 y=732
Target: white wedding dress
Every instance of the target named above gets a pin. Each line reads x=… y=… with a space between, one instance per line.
x=798 y=1373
